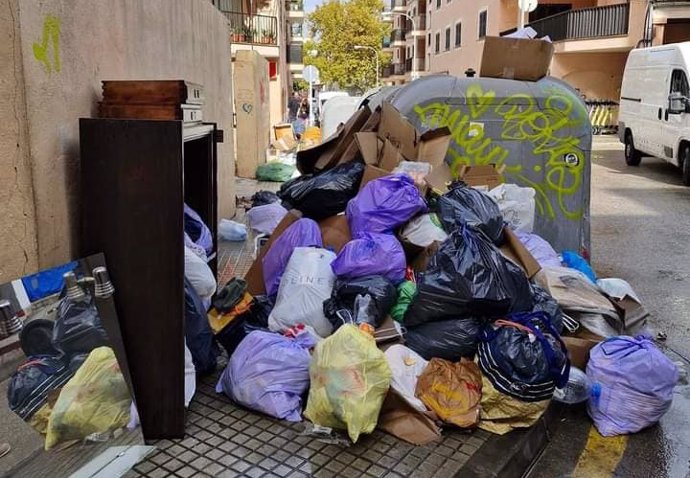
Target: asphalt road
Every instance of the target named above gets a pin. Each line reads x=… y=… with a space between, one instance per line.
x=641 y=233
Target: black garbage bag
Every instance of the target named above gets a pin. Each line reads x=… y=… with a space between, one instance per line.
x=262 y=198
x=198 y=333
x=468 y=277
x=29 y=386
x=383 y=295
x=261 y=308
x=465 y=205
x=256 y=318
x=524 y=356
x=78 y=328
x=544 y=302
x=448 y=339
x=323 y=195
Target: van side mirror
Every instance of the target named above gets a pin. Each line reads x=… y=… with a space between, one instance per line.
x=677 y=103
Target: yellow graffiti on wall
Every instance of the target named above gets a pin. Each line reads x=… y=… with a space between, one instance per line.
x=547 y=131
x=50 y=38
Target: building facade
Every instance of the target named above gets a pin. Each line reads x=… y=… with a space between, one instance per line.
x=592 y=38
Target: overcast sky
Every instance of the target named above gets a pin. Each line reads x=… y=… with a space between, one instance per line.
x=309 y=5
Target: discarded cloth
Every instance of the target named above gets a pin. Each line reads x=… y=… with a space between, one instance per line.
x=384 y=204
x=269 y=373
x=349 y=381
x=632 y=385
x=306 y=284
x=452 y=390
x=371 y=254
x=302 y=233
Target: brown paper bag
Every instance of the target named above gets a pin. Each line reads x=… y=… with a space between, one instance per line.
x=405 y=422
x=452 y=390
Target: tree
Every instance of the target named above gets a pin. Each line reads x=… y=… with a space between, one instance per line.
x=336 y=27
x=300 y=85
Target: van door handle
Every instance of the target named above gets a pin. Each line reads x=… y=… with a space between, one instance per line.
x=659 y=114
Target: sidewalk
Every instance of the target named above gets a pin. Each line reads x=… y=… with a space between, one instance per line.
x=226 y=440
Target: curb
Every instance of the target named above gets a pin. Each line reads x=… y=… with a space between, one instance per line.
x=512 y=455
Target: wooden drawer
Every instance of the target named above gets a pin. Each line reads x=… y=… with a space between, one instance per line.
x=149 y=92
x=186 y=113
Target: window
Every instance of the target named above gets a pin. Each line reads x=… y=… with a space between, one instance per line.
x=679 y=83
x=438 y=4
x=458 y=34
x=482 y=23
x=447 y=46
x=438 y=43
x=428 y=39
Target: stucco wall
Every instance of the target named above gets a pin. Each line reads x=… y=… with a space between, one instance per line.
x=107 y=40
x=596 y=75
x=18 y=253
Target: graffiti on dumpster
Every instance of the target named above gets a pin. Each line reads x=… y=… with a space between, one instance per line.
x=547 y=130
x=50 y=38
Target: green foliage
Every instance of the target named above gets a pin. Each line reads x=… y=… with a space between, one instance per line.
x=300 y=84
x=336 y=27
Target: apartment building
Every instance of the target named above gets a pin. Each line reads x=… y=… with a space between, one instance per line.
x=406 y=44
x=274 y=29
x=592 y=38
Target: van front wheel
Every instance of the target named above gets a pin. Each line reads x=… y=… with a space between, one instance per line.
x=632 y=156
x=685 y=164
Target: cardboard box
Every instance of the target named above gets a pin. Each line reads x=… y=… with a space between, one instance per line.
x=484 y=176
x=390 y=156
x=515 y=58
x=335 y=232
x=579 y=346
x=307 y=158
x=421 y=262
x=516 y=252
x=370 y=147
x=255 y=274
x=371 y=173
x=332 y=157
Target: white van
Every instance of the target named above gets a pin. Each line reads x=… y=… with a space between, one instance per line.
x=654 y=117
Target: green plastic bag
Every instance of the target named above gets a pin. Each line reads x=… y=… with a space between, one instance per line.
x=274 y=171
x=406 y=292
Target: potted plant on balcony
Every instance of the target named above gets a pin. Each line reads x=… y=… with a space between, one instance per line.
x=268 y=37
x=248 y=34
x=238 y=36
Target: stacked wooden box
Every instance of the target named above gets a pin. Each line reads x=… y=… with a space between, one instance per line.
x=152 y=100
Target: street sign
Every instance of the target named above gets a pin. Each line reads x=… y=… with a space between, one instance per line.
x=311 y=74
x=527 y=5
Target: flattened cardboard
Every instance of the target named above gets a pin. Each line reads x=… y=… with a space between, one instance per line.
x=481 y=175
x=390 y=156
x=255 y=274
x=516 y=252
x=372 y=123
x=515 y=58
x=439 y=178
x=400 y=132
x=371 y=173
x=335 y=232
x=308 y=157
x=369 y=146
x=332 y=157
x=284 y=130
x=579 y=346
x=633 y=313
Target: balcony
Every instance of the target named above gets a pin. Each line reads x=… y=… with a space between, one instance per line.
x=297 y=31
x=295 y=9
x=295 y=54
x=420 y=24
x=387 y=71
x=253 y=29
x=398 y=69
x=584 y=23
x=398 y=36
x=399 y=5
x=419 y=64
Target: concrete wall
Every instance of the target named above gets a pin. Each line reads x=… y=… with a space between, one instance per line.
x=18 y=249
x=68 y=47
x=596 y=75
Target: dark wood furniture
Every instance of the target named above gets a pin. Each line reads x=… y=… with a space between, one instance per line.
x=135 y=177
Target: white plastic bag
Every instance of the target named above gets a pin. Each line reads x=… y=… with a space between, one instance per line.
x=516 y=204
x=232 y=231
x=189 y=376
x=306 y=283
x=199 y=274
x=264 y=219
x=406 y=366
x=423 y=230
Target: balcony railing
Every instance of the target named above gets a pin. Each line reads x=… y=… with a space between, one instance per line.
x=419 y=63
x=398 y=4
x=398 y=68
x=584 y=23
x=387 y=71
x=420 y=23
x=397 y=35
x=295 y=5
x=295 y=54
x=256 y=29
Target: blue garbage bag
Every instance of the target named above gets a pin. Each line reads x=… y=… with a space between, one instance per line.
x=575 y=261
x=198 y=332
x=269 y=373
x=47 y=282
x=197 y=230
x=371 y=254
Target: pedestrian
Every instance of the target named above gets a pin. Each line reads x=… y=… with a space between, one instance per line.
x=304 y=109
x=293 y=107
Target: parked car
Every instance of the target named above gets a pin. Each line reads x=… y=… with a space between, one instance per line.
x=654 y=117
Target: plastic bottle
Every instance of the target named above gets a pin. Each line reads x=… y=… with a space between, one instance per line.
x=577 y=390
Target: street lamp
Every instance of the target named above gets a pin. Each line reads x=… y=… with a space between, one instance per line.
x=387 y=16
x=376 y=57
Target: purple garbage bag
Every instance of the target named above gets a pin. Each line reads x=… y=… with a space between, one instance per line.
x=371 y=254
x=301 y=233
x=542 y=251
x=384 y=204
x=269 y=373
x=197 y=230
x=632 y=385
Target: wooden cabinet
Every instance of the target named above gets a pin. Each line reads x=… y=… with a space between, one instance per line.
x=136 y=176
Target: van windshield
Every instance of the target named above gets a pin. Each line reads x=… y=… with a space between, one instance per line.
x=679 y=83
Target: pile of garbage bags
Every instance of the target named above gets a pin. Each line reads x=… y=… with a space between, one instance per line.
x=437 y=310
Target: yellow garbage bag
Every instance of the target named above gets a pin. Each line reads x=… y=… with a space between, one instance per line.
x=349 y=381
x=95 y=400
x=501 y=413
